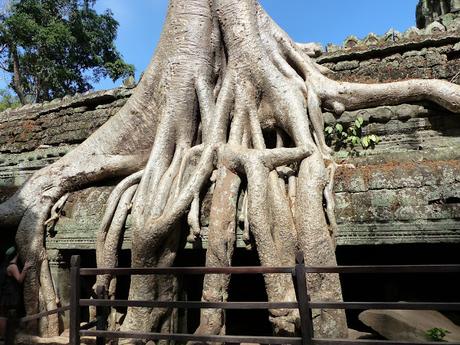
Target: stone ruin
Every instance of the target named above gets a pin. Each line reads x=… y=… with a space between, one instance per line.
x=405 y=191
x=444 y=11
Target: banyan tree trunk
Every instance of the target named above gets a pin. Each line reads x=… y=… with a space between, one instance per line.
x=231 y=104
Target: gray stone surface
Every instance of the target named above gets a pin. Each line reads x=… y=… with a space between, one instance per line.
x=34 y=136
x=406 y=190
x=409 y=325
x=354 y=334
x=444 y=11
x=435 y=56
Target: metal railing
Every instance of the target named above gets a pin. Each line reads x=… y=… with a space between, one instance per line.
x=13 y=322
x=303 y=304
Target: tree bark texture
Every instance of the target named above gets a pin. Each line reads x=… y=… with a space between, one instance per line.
x=229 y=103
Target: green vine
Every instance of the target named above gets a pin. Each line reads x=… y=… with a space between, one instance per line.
x=350 y=138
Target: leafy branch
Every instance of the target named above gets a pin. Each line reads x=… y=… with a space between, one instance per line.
x=350 y=138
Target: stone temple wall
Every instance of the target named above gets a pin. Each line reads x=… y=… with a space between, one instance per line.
x=406 y=190
x=34 y=136
x=444 y=11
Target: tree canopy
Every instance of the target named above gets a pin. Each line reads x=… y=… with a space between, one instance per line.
x=7 y=100
x=52 y=48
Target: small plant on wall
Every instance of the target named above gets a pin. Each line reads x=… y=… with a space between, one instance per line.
x=436 y=334
x=350 y=138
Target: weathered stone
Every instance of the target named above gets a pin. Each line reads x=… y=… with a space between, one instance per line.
x=435 y=27
x=354 y=334
x=421 y=56
x=79 y=221
x=392 y=36
x=403 y=191
x=452 y=23
x=371 y=40
x=412 y=32
x=434 y=58
x=395 y=57
x=331 y=48
x=430 y=11
x=398 y=203
x=381 y=114
x=415 y=61
x=346 y=65
x=409 y=325
x=369 y=62
x=351 y=42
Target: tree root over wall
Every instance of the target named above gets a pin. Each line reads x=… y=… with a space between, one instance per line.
x=229 y=103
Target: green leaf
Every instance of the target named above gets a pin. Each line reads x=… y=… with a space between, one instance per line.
x=63 y=46
x=437 y=334
x=328 y=130
x=365 y=142
x=7 y=100
x=373 y=138
x=339 y=128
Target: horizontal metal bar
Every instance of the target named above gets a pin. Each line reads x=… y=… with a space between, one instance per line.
x=199 y=338
x=372 y=342
x=385 y=269
x=263 y=269
x=189 y=304
x=89 y=325
x=272 y=305
x=43 y=314
x=185 y=270
x=387 y=305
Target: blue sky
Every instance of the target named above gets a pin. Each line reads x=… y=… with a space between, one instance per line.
x=321 y=21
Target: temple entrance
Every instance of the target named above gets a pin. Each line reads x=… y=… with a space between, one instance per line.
x=242 y=288
x=399 y=287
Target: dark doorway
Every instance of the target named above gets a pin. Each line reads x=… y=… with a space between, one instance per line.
x=190 y=287
x=242 y=288
x=438 y=287
x=245 y=287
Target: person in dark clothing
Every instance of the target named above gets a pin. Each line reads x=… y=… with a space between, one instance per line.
x=10 y=285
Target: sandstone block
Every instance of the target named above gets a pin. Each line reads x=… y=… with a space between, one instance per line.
x=409 y=325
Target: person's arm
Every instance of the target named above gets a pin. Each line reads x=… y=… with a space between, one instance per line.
x=13 y=270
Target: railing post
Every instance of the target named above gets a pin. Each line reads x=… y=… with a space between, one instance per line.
x=101 y=315
x=303 y=300
x=11 y=326
x=74 y=331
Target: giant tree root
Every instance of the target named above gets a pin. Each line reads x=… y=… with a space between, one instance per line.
x=228 y=97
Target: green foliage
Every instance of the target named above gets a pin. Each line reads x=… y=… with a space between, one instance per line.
x=7 y=100
x=350 y=138
x=437 y=334
x=58 y=47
